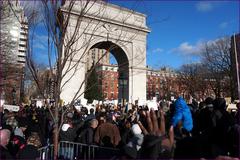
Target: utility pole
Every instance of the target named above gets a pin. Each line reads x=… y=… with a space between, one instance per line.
x=237 y=65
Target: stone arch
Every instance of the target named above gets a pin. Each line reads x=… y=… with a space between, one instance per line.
x=119 y=26
x=122 y=58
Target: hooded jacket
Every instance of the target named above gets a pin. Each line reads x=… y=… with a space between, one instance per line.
x=182 y=113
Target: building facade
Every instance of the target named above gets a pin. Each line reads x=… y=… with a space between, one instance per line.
x=14 y=33
x=95 y=55
x=161 y=83
x=108 y=81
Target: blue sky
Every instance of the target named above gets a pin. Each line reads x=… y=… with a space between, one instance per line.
x=178 y=28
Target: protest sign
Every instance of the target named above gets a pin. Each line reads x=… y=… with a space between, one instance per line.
x=11 y=107
x=83 y=101
x=39 y=103
x=95 y=102
x=152 y=104
x=142 y=102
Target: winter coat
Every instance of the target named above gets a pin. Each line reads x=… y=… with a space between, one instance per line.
x=68 y=135
x=4 y=153
x=182 y=113
x=107 y=134
x=29 y=152
x=86 y=136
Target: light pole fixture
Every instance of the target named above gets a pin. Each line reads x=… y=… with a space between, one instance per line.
x=123 y=83
x=14 y=95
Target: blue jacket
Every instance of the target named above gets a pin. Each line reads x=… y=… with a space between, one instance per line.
x=182 y=113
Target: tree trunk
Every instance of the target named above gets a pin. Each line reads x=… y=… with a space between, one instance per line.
x=55 y=133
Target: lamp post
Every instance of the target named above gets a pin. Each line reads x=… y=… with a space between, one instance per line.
x=123 y=82
x=14 y=95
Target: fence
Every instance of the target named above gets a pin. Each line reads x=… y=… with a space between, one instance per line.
x=71 y=150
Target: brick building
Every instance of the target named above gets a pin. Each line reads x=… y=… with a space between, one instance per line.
x=161 y=83
x=108 y=81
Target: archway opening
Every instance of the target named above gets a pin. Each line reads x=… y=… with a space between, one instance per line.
x=112 y=68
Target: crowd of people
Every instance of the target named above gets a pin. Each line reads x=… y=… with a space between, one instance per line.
x=175 y=130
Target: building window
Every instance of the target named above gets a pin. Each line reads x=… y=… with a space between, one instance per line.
x=105 y=95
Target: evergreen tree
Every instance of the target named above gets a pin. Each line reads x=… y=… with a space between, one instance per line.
x=91 y=90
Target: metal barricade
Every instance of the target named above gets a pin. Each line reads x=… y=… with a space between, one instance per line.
x=72 y=150
x=46 y=152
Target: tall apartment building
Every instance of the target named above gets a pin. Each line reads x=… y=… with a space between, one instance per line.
x=14 y=31
x=13 y=46
x=94 y=55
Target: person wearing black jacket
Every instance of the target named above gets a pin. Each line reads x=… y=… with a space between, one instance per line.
x=87 y=135
x=30 y=151
x=4 y=140
x=68 y=133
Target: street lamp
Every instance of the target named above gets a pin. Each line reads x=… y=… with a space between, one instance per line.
x=14 y=95
x=122 y=82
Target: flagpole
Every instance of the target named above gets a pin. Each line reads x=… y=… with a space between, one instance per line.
x=237 y=65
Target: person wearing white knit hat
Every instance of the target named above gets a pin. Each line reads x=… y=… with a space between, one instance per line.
x=136 y=129
x=137 y=139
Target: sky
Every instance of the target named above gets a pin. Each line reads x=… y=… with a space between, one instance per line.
x=179 y=28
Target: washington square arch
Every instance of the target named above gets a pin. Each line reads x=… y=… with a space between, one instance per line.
x=118 y=30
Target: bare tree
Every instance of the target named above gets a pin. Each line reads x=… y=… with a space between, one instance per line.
x=65 y=60
x=217 y=62
x=191 y=80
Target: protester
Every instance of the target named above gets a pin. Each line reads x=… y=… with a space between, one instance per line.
x=137 y=140
x=156 y=143
x=4 y=140
x=87 y=135
x=91 y=115
x=171 y=131
x=11 y=120
x=30 y=151
x=182 y=116
x=107 y=134
x=68 y=132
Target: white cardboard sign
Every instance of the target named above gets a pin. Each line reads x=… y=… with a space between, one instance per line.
x=142 y=102
x=152 y=104
x=95 y=102
x=11 y=107
x=39 y=104
x=83 y=101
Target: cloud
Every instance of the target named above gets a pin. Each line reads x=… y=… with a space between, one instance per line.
x=223 y=25
x=157 y=50
x=186 y=48
x=204 y=6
